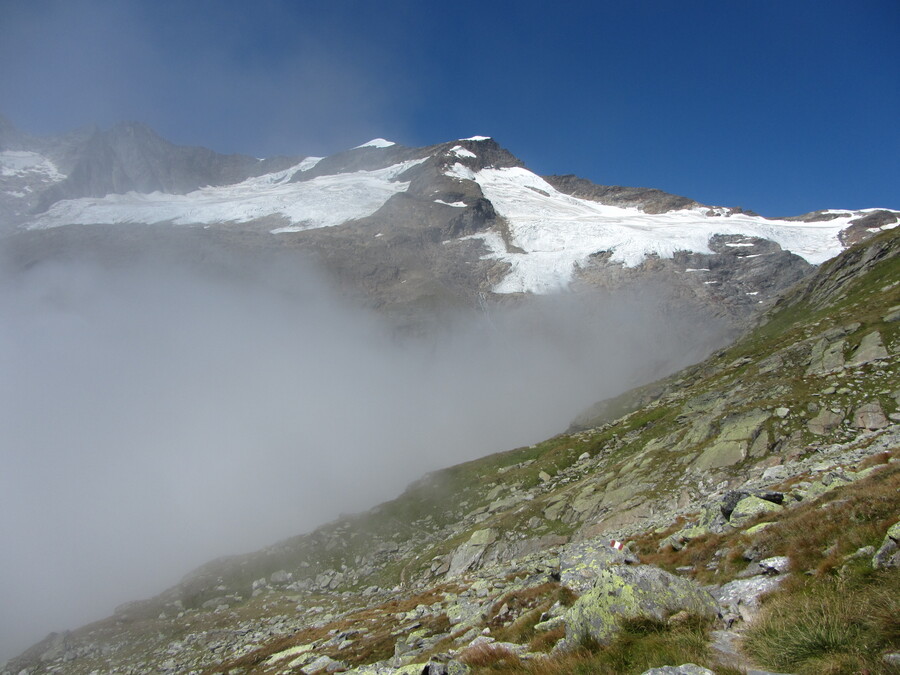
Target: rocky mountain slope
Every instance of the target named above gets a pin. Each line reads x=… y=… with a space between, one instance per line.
x=458 y=224
x=717 y=478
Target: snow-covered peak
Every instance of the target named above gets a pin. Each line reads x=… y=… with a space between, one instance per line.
x=551 y=234
x=376 y=143
x=476 y=138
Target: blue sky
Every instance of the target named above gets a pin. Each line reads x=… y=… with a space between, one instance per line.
x=778 y=106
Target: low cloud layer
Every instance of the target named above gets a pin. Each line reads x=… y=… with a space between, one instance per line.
x=155 y=417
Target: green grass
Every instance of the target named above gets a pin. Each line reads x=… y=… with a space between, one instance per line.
x=830 y=626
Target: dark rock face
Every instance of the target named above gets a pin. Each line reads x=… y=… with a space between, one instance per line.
x=648 y=200
x=863 y=227
x=741 y=276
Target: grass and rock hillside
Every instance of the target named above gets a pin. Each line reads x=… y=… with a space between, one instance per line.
x=758 y=493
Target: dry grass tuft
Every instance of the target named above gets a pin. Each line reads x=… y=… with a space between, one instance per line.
x=544 y=642
x=831 y=626
x=490 y=656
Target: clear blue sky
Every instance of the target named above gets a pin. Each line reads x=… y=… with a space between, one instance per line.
x=780 y=106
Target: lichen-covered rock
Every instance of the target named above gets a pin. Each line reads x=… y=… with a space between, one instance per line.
x=684 y=669
x=464 y=613
x=734 y=440
x=830 y=481
x=624 y=591
x=888 y=555
x=759 y=527
x=324 y=664
x=750 y=507
x=581 y=563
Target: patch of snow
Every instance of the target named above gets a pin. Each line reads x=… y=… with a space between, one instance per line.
x=558 y=233
x=376 y=143
x=460 y=151
x=20 y=163
x=476 y=138
x=697 y=269
x=752 y=293
x=738 y=245
x=456 y=204
x=324 y=201
x=308 y=163
x=14 y=193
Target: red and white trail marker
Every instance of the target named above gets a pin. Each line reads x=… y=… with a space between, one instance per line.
x=618 y=545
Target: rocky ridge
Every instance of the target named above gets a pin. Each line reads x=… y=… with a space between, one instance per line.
x=724 y=451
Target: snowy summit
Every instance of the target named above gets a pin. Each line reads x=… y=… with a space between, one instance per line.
x=376 y=143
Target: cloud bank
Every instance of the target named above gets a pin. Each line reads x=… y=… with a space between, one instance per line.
x=156 y=416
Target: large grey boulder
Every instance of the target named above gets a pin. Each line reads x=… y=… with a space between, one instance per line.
x=629 y=591
x=468 y=555
x=685 y=669
x=827 y=357
x=888 y=555
x=740 y=598
x=870 y=348
x=735 y=438
x=750 y=507
x=825 y=422
x=580 y=563
x=870 y=416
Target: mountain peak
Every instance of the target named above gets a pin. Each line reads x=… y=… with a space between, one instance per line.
x=375 y=143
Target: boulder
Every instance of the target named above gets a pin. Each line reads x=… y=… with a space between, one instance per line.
x=750 y=507
x=730 y=500
x=735 y=438
x=827 y=357
x=830 y=481
x=870 y=416
x=870 y=349
x=324 y=664
x=581 y=563
x=686 y=669
x=774 y=565
x=280 y=577
x=450 y=667
x=893 y=314
x=888 y=555
x=625 y=591
x=468 y=555
x=825 y=422
x=740 y=598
